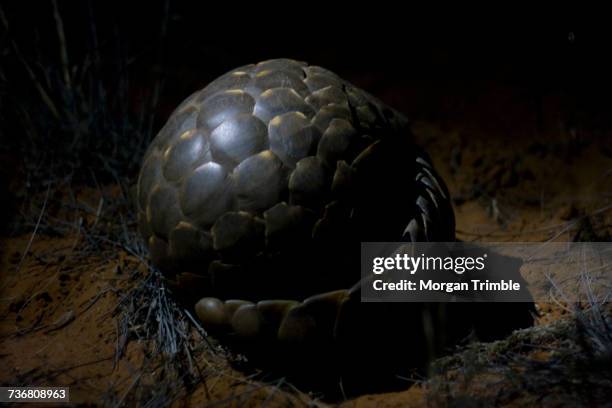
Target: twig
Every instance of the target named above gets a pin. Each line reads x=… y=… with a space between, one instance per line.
x=40 y=215
x=59 y=25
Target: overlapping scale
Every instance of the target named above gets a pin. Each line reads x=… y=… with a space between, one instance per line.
x=272 y=161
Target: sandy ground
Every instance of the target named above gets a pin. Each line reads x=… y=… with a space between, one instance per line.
x=59 y=324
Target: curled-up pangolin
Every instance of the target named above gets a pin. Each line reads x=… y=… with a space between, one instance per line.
x=254 y=198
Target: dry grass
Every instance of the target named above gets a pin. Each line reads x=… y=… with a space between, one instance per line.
x=566 y=363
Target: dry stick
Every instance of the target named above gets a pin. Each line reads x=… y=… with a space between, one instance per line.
x=303 y=397
x=25 y=253
x=72 y=113
x=557 y=235
x=560 y=292
x=89 y=303
x=271 y=394
x=59 y=25
x=136 y=380
x=199 y=328
x=116 y=356
x=190 y=359
x=79 y=225
x=40 y=215
x=200 y=374
x=98 y=212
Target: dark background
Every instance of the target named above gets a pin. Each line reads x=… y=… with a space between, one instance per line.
x=375 y=47
x=131 y=63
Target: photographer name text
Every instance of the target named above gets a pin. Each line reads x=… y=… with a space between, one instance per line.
x=430 y=285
